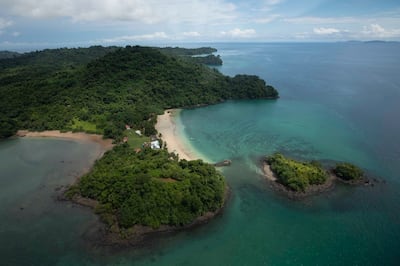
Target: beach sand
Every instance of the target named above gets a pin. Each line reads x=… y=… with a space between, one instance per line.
x=268 y=172
x=167 y=127
x=105 y=144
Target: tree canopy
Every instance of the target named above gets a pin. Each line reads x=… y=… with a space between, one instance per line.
x=151 y=188
x=348 y=171
x=296 y=175
x=108 y=87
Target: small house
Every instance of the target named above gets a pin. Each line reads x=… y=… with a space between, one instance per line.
x=127 y=127
x=155 y=145
x=138 y=132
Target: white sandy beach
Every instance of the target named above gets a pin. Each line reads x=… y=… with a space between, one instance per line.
x=167 y=127
x=268 y=172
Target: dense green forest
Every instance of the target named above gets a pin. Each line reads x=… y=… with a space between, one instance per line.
x=100 y=89
x=151 y=188
x=8 y=54
x=210 y=60
x=296 y=175
x=202 y=55
x=348 y=171
x=188 y=51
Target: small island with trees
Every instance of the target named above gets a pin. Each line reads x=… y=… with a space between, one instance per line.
x=299 y=179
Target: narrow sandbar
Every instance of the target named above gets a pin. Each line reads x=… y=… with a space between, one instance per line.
x=105 y=144
x=166 y=125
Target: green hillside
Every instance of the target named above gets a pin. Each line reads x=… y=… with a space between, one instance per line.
x=108 y=88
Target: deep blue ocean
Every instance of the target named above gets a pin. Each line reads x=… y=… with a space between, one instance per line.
x=339 y=102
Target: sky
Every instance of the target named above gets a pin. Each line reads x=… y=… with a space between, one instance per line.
x=28 y=24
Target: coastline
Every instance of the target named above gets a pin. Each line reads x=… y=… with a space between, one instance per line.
x=105 y=144
x=140 y=235
x=166 y=126
x=311 y=189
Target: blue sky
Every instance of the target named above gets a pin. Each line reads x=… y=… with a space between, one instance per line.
x=28 y=24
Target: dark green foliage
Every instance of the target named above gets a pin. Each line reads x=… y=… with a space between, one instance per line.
x=151 y=187
x=188 y=51
x=108 y=88
x=8 y=54
x=210 y=60
x=201 y=55
x=348 y=171
x=296 y=175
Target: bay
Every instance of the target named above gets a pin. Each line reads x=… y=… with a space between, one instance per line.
x=339 y=101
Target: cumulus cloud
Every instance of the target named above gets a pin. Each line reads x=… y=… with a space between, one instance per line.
x=145 y=11
x=143 y=37
x=325 y=31
x=239 y=33
x=377 y=31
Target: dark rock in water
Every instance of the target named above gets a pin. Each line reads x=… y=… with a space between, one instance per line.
x=223 y=163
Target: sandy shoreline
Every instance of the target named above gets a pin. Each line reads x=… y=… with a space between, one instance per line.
x=105 y=144
x=167 y=127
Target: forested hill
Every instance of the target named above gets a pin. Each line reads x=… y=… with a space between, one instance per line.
x=102 y=89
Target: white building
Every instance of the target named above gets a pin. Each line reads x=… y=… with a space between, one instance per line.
x=155 y=145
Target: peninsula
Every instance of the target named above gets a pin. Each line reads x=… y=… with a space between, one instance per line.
x=139 y=186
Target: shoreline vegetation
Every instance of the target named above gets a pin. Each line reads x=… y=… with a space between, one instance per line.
x=105 y=144
x=297 y=179
x=166 y=126
x=137 y=234
x=136 y=186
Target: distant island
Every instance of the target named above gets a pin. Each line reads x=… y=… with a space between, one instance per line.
x=298 y=179
x=138 y=187
x=203 y=55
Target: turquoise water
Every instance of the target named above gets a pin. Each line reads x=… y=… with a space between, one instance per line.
x=338 y=102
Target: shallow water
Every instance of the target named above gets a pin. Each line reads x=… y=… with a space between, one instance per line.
x=338 y=102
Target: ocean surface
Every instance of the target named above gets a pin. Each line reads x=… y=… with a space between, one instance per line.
x=339 y=102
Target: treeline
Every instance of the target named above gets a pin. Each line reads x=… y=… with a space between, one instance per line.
x=188 y=51
x=108 y=88
x=150 y=188
x=210 y=60
x=8 y=54
x=296 y=175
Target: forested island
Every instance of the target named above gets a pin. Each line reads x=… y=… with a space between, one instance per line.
x=108 y=90
x=299 y=178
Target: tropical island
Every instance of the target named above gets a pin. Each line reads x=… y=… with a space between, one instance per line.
x=140 y=185
x=298 y=178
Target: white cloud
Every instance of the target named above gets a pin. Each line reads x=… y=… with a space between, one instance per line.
x=377 y=31
x=273 y=2
x=325 y=31
x=15 y=33
x=143 y=37
x=191 y=34
x=268 y=19
x=320 y=20
x=145 y=11
x=4 y=23
x=238 y=33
